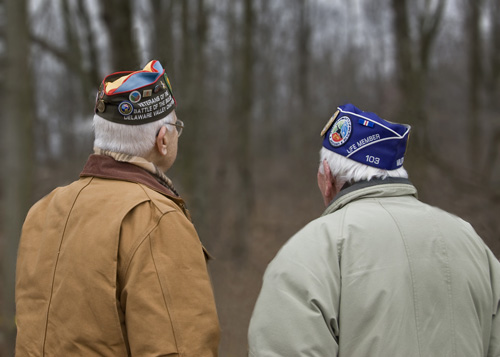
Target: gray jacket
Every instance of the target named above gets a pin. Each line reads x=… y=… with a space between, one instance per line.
x=380 y=274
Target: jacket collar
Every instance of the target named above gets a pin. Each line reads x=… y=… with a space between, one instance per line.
x=106 y=167
x=388 y=187
x=142 y=163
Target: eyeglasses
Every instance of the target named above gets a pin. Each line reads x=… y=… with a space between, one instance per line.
x=179 y=125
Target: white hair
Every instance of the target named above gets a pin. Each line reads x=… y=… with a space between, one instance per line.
x=348 y=171
x=137 y=140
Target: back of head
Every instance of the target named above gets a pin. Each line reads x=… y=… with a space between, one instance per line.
x=134 y=140
x=130 y=109
x=361 y=146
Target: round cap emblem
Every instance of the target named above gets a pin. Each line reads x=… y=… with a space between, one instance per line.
x=135 y=96
x=340 y=132
x=125 y=108
x=101 y=107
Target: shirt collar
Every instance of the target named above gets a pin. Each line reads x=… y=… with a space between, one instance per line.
x=142 y=163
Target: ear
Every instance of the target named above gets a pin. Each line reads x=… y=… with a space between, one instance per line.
x=329 y=189
x=329 y=185
x=161 y=141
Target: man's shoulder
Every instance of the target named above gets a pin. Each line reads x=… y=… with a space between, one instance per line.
x=319 y=236
x=64 y=192
x=131 y=192
x=103 y=192
x=163 y=202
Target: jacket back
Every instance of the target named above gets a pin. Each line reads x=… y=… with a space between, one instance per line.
x=112 y=268
x=380 y=274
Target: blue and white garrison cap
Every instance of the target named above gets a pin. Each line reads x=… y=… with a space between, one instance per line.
x=366 y=138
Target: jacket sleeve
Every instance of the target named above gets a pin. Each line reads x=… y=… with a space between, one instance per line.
x=296 y=313
x=494 y=347
x=167 y=296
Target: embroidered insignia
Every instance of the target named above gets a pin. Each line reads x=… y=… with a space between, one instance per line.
x=341 y=131
x=125 y=108
x=135 y=96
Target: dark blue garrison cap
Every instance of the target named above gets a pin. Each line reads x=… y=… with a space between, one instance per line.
x=366 y=138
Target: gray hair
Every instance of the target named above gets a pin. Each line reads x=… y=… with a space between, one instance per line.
x=347 y=170
x=136 y=140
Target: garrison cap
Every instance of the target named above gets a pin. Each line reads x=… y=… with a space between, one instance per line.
x=366 y=138
x=135 y=98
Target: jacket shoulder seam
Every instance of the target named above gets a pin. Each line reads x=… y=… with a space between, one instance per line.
x=172 y=205
x=56 y=263
x=131 y=253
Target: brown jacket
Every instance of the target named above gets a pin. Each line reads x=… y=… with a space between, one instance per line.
x=111 y=266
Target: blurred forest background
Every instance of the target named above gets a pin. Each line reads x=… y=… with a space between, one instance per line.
x=255 y=81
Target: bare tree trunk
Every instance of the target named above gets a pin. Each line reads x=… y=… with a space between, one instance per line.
x=303 y=38
x=265 y=57
x=195 y=109
x=492 y=152
x=404 y=54
x=242 y=120
x=473 y=15
x=186 y=50
x=495 y=49
x=18 y=159
x=429 y=21
x=162 y=37
x=412 y=63
x=89 y=76
x=301 y=99
x=408 y=81
x=237 y=175
x=77 y=74
x=117 y=16
x=189 y=91
x=201 y=112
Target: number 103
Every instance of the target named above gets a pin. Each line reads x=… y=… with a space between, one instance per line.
x=373 y=159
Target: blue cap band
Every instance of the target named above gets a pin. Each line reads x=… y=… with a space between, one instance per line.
x=366 y=138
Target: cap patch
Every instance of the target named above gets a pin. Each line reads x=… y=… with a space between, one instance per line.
x=340 y=132
x=125 y=108
x=135 y=96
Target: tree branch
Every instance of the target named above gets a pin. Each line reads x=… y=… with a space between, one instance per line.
x=45 y=45
x=429 y=23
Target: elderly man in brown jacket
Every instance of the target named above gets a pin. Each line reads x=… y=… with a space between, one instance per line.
x=111 y=265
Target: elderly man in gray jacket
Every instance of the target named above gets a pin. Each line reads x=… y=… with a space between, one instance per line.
x=380 y=273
